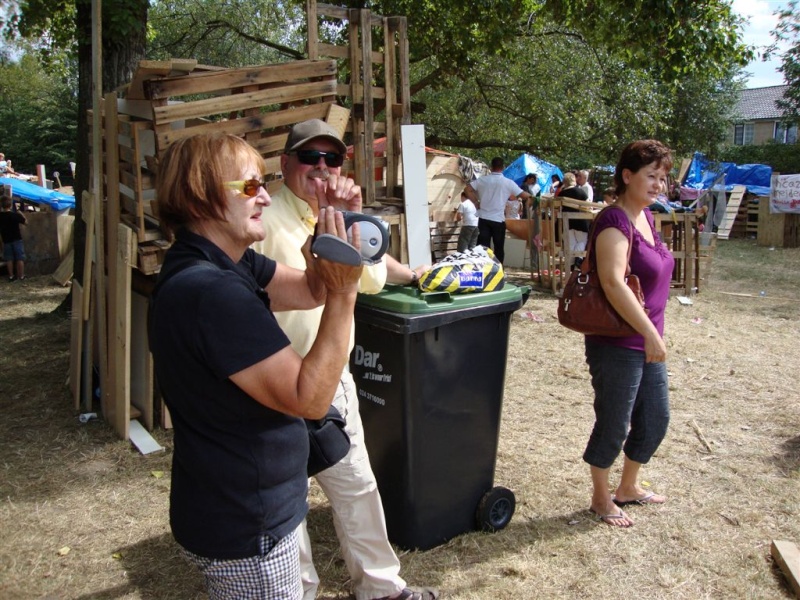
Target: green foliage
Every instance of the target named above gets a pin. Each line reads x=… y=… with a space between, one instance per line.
x=569 y=80
x=231 y=34
x=699 y=109
x=38 y=117
x=52 y=22
x=783 y=158
x=567 y=102
x=788 y=30
x=675 y=39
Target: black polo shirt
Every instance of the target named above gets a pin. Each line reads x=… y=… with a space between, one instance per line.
x=239 y=468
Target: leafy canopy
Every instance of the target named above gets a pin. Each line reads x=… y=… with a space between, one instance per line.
x=788 y=30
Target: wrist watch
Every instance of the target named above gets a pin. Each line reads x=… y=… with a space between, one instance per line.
x=414 y=277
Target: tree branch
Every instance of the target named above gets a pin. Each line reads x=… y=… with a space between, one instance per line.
x=285 y=50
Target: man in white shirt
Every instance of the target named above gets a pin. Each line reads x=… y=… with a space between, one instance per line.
x=311 y=166
x=490 y=193
x=582 y=181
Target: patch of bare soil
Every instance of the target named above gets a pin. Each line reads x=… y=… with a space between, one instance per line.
x=83 y=515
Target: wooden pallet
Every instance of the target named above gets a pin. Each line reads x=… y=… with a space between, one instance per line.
x=444 y=238
x=378 y=87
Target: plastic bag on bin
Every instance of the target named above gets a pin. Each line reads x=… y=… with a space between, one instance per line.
x=475 y=270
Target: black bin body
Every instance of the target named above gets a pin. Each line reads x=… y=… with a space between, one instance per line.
x=430 y=370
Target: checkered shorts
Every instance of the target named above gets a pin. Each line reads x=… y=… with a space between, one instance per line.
x=272 y=575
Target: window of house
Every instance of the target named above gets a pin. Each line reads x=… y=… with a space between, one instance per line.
x=743 y=134
x=784 y=134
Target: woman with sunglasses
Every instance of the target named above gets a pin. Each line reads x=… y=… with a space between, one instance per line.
x=236 y=390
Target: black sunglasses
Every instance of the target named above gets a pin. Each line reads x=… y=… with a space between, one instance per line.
x=248 y=187
x=311 y=157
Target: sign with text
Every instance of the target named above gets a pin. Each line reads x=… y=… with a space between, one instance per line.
x=784 y=196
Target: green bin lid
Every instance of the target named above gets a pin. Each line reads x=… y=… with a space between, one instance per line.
x=410 y=300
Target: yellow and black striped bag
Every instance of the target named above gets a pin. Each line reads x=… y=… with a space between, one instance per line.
x=475 y=270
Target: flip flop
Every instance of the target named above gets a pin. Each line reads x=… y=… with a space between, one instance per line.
x=609 y=519
x=646 y=499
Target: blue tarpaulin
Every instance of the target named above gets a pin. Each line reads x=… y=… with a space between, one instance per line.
x=703 y=173
x=36 y=193
x=528 y=163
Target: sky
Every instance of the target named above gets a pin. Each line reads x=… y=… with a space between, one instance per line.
x=757 y=33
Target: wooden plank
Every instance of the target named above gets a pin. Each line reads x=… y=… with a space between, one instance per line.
x=291 y=73
x=76 y=344
x=392 y=128
x=787 y=557
x=111 y=408
x=312 y=30
x=684 y=168
x=329 y=10
x=120 y=327
x=236 y=102
x=138 y=185
x=145 y=181
x=731 y=212
x=149 y=235
x=364 y=16
x=342 y=53
x=147 y=69
x=265 y=121
x=142 y=109
x=140 y=438
x=337 y=117
x=63 y=274
x=100 y=307
x=141 y=369
x=404 y=89
x=88 y=204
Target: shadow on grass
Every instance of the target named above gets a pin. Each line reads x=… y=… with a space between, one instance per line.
x=788 y=459
x=156 y=570
x=424 y=568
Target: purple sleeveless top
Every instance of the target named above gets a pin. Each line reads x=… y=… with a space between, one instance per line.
x=652 y=264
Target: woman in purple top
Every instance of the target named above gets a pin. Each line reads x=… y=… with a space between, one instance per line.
x=629 y=374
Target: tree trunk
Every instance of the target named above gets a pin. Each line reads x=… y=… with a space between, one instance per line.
x=120 y=59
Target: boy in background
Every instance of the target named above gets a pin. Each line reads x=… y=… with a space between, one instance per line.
x=467 y=214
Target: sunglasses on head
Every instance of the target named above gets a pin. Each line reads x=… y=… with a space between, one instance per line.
x=311 y=157
x=249 y=187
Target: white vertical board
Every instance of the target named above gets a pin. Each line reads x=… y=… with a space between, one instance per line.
x=415 y=190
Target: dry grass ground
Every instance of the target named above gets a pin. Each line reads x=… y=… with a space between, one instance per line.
x=84 y=515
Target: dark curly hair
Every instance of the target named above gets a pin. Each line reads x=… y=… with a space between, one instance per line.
x=639 y=154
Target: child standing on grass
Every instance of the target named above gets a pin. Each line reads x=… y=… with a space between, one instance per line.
x=13 y=250
x=467 y=215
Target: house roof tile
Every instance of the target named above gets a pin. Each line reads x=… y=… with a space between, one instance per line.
x=759 y=103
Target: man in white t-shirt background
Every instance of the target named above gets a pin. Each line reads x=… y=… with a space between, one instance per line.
x=490 y=193
x=582 y=180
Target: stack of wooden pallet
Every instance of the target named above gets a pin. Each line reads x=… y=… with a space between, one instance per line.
x=169 y=100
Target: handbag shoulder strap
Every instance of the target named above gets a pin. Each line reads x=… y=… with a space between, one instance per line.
x=585 y=265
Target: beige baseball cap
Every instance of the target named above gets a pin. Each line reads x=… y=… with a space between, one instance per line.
x=312 y=129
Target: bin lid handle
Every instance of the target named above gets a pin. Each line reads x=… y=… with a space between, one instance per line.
x=437 y=297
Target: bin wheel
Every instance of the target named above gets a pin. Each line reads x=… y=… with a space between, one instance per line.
x=495 y=509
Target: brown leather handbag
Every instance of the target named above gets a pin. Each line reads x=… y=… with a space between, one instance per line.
x=583 y=307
